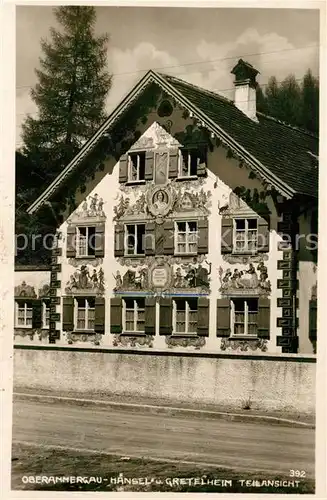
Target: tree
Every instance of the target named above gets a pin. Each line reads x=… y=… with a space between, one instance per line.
x=310 y=102
x=70 y=94
x=291 y=102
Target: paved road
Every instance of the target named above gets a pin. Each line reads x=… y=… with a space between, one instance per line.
x=243 y=446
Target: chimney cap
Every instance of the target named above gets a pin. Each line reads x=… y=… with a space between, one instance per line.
x=244 y=71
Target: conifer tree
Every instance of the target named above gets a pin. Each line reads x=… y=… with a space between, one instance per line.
x=73 y=83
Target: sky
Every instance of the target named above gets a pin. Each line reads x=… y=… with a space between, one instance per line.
x=200 y=45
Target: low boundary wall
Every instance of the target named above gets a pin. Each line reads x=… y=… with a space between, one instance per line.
x=267 y=382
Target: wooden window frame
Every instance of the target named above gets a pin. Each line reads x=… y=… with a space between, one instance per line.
x=135 y=254
x=187 y=317
x=246 y=238
x=87 y=308
x=130 y=164
x=187 y=234
x=26 y=308
x=86 y=255
x=244 y=335
x=136 y=311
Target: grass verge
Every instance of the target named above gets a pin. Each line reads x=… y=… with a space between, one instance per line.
x=109 y=473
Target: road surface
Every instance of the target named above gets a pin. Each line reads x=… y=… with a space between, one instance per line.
x=241 y=446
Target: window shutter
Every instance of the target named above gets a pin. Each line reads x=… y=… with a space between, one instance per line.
x=37 y=314
x=71 y=241
x=202 y=167
x=263 y=235
x=226 y=235
x=149 y=165
x=168 y=243
x=203 y=317
x=223 y=318
x=173 y=164
x=166 y=316
x=203 y=236
x=99 y=240
x=264 y=318
x=123 y=169
x=68 y=314
x=150 y=316
x=313 y=319
x=99 y=317
x=116 y=305
x=119 y=240
x=150 y=246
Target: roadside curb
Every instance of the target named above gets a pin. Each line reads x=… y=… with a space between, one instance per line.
x=166 y=410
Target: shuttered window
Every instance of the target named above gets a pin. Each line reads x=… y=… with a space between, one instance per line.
x=133 y=314
x=23 y=314
x=185 y=316
x=186 y=237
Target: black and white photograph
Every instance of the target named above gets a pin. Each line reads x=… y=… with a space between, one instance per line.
x=164 y=306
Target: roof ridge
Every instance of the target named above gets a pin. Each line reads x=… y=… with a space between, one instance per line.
x=293 y=127
x=211 y=92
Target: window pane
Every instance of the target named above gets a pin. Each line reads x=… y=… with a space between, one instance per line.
x=194 y=162
x=252 y=305
x=129 y=303
x=91 y=241
x=238 y=329
x=239 y=305
x=140 y=302
x=252 y=223
x=133 y=168
x=240 y=223
x=140 y=238
x=180 y=304
x=253 y=329
x=181 y=248
x=142 y=166
x=181 y=226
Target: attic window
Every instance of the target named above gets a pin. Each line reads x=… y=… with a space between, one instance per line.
x=136 y=167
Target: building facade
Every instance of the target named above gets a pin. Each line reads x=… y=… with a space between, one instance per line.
x=185 y=224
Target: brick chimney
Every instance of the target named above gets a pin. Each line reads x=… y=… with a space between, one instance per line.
x=245 y=88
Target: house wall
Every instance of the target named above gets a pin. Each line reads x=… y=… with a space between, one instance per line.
x=275 y=382
x=224 y=175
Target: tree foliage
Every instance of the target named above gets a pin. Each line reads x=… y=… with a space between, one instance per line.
x=73 y=83
x=292 y=102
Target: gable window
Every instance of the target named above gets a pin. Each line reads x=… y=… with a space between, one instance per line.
x=84 y=313
x=45 y=314
x=24 y=314
x=190 y=159
x=185 y=315
x=85 y=241
x=186 y=236
x=244 y=316
x=136 y=167
x=245 y=235
x=133 y=314
x=134 y=239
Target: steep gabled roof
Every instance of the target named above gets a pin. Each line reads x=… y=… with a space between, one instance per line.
x=279 y=153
